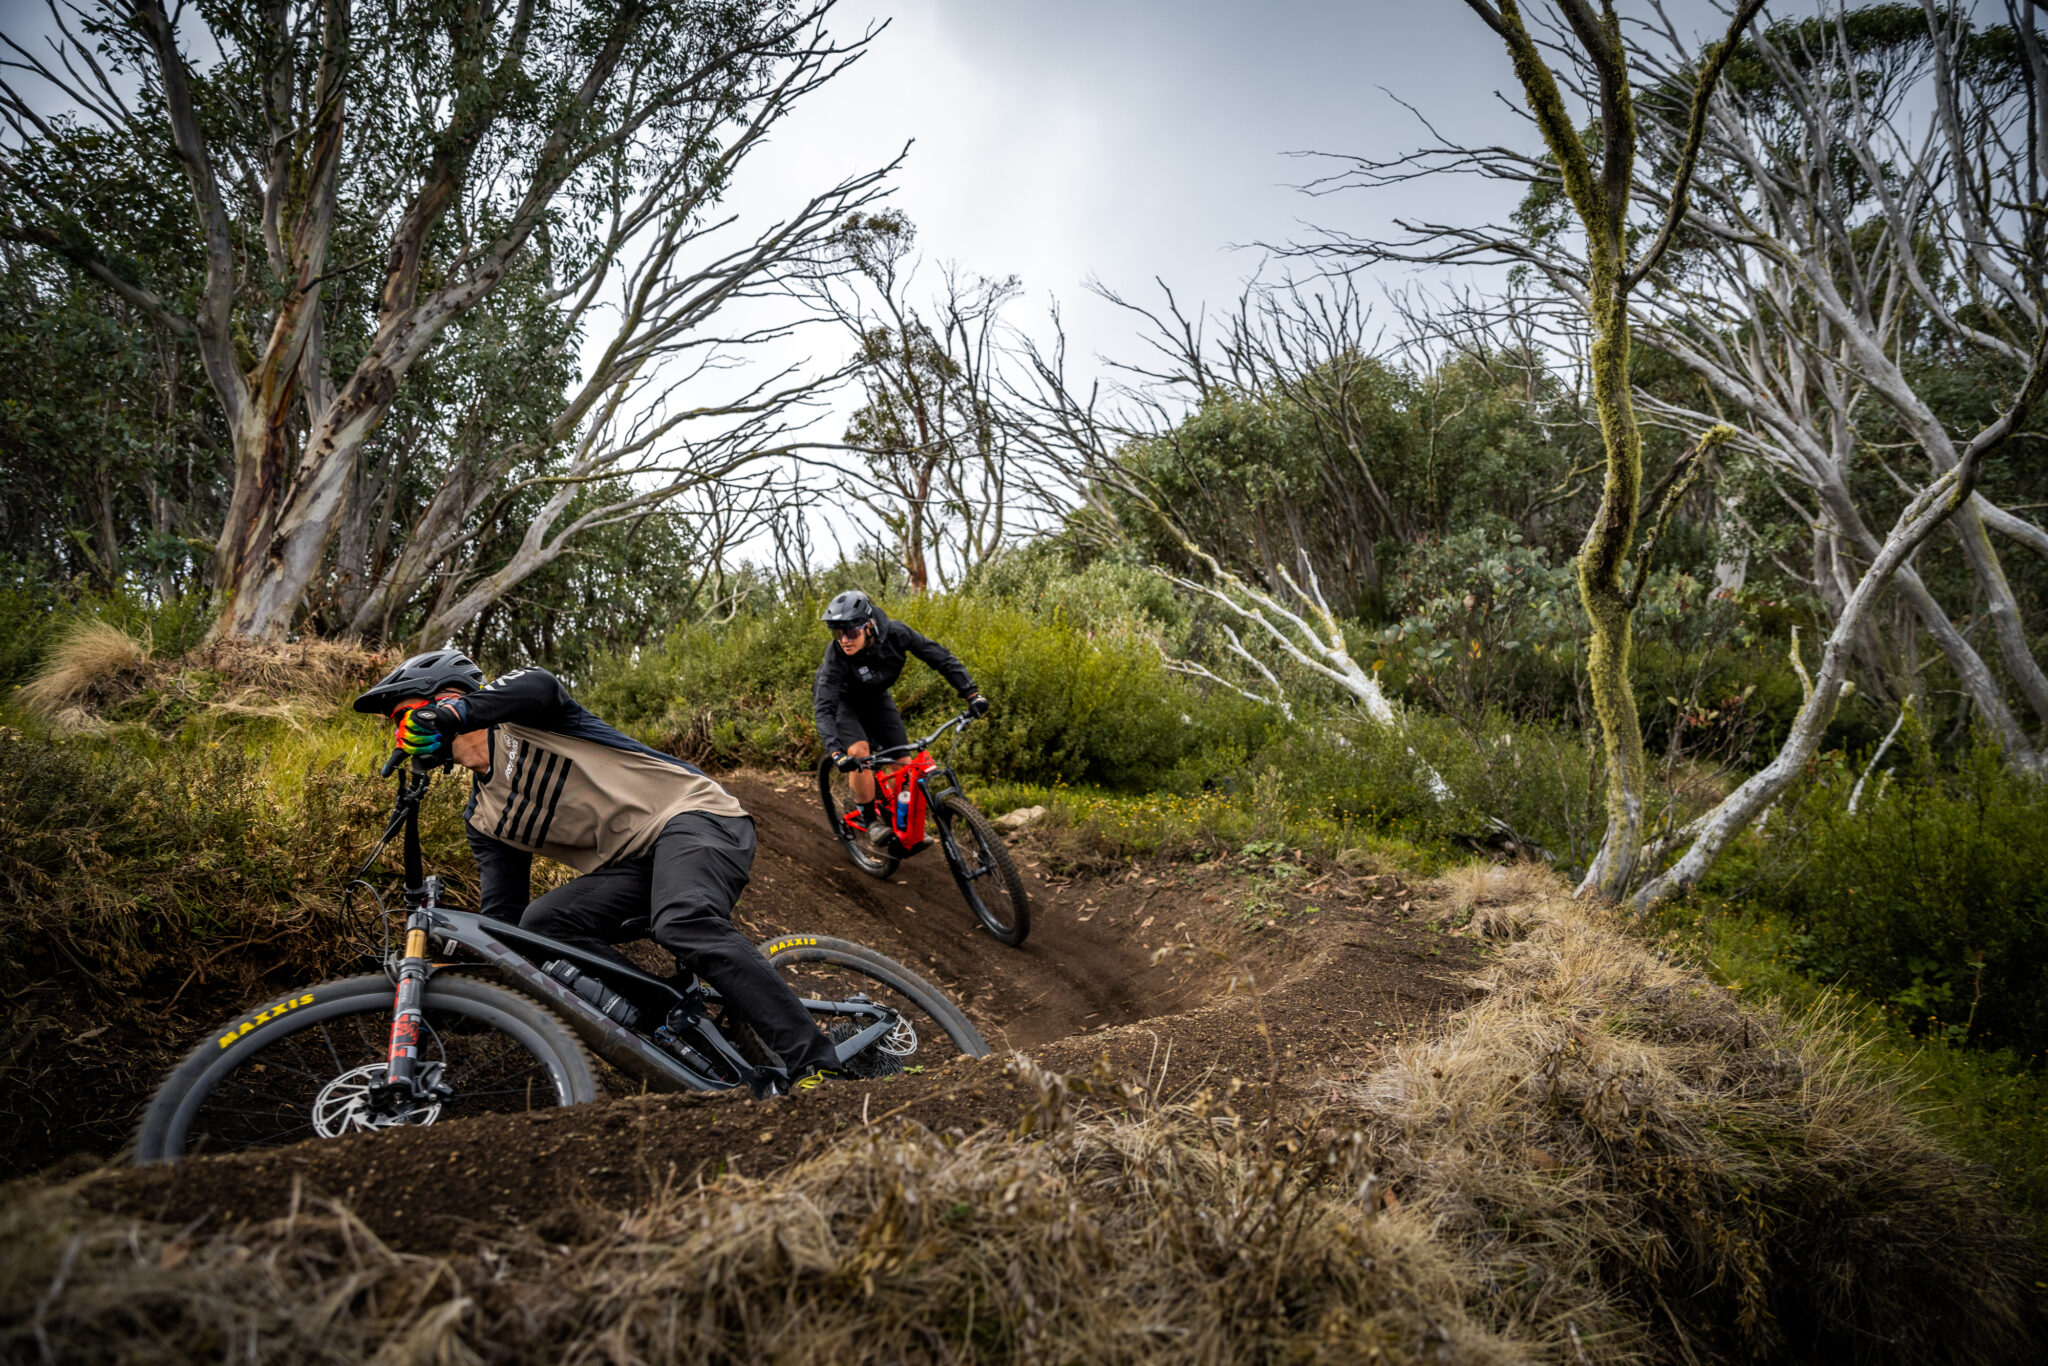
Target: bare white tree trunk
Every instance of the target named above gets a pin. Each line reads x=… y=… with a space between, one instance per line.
x=1930 y=508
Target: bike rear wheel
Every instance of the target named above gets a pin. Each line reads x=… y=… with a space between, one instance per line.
x=985 y=871
x=301 y=1067
x=837 y=794
x=931 y=1030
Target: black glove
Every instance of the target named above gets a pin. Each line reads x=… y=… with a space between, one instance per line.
x=844 y=762
x=977 y=706
x=443 y=718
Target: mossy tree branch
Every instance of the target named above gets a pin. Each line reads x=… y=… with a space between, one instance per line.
x=1683 y=476
x=1600 y=200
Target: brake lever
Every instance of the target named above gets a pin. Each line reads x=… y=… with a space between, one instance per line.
x=391 y=764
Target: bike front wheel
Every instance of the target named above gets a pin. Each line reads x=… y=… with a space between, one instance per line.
x=303 y=1066
x=826 y=973
x=986 y=873
x=837 y=795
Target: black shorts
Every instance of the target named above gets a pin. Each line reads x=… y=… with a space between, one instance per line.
x=874 y=719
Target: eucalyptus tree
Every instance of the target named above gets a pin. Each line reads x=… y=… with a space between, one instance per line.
x=1592 y=161
x=1814 y=247
x=1844 y=270
x=361 y=179
x=935 y=457
x=1133 y=457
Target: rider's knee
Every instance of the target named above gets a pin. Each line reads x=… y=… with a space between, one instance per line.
x=859 y=749
x=541 y=918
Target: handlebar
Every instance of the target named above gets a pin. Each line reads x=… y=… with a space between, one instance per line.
x=422 y=766
x=896 y=754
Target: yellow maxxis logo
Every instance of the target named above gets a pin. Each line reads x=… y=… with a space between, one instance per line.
x=265 y=1017
x=795 y=941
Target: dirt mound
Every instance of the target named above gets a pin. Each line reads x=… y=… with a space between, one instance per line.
x=1598 y=1157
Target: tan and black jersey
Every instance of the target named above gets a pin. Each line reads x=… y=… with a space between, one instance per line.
x=565 y=785
x=583 y=802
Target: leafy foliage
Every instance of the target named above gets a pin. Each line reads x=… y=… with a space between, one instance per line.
x=1930 y=898
x=1074 y=703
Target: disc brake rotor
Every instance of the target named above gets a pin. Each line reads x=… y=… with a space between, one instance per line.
x=343 y=1105
x=900 y=1041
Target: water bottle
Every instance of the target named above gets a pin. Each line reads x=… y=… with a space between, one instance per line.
x=903 y=808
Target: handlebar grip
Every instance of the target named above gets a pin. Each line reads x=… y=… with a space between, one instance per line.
x=391 y=764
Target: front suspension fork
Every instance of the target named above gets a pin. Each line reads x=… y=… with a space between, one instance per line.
x=407 y=1081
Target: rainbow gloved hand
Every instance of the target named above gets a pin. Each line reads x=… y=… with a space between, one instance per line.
x=423 y=728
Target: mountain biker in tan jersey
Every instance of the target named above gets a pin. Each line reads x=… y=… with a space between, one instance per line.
x=850 y=696
x=653 y=837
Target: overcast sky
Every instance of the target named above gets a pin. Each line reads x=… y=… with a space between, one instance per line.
x=1122 y=139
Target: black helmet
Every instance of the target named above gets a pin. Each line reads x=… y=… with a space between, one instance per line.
x=427 y=675
x=850 y=608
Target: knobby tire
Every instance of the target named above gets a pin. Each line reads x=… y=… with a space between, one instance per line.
x=215 y=1100
x=999 y=887
x=820 y=967
x=873 y=861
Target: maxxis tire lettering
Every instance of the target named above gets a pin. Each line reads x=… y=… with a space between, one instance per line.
x=264 y=1017
x=503 y=1008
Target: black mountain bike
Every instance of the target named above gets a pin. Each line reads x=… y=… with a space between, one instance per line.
x=475 y=1016
x=920 y=787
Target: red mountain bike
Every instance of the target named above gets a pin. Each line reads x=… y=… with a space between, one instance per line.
x=921 y=788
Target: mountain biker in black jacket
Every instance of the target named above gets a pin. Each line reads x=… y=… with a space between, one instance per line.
x=850 y=696
x=663 y=850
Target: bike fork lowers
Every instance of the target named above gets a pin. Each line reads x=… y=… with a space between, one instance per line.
x=401 y=1064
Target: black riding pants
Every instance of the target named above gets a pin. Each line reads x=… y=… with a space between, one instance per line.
x=685 y=886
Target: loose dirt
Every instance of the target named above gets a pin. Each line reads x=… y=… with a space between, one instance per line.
x=1173 y=975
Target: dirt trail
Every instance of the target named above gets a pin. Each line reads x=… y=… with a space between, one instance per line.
x=1070 y=975
x=1329 y=967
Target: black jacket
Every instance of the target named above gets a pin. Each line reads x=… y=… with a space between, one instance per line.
x=871 y=673
x=533 y=700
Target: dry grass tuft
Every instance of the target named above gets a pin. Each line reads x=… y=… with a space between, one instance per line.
x=254 y=672
x=96 y=669
x=1141 y=1233
x=92 y=662
x=1497 y=899
x=1621 y=1149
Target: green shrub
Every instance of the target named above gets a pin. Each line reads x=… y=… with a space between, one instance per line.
x=1536 y=780
x=1931 y=898
x=1093 y=706
x=133 y=850
x=1990 y=1104
x=1072 y=703
x=34 y=613
x=1042 y=578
